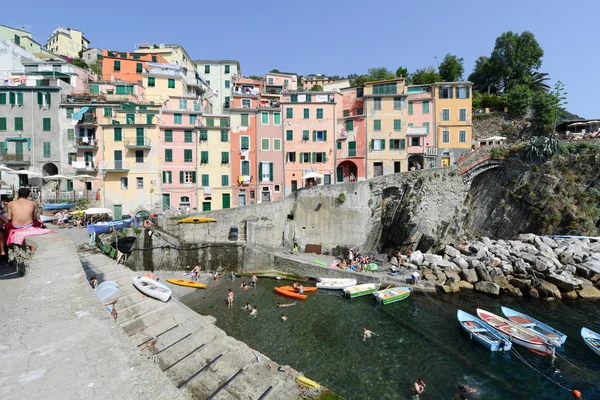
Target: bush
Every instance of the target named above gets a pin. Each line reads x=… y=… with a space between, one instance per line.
x=518 y=99
x=498 y=152
x=541 y=148
x=341 y=198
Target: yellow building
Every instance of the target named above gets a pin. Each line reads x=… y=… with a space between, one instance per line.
x=387 y=121
x=453 y=110
x=215 y=184
x=23 y=38
x=131 y=158
x=68 y=42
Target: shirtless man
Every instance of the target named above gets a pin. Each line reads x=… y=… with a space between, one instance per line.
x=22 y=212
x=367 y=334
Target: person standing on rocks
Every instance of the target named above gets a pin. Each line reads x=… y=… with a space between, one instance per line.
x=415 y=277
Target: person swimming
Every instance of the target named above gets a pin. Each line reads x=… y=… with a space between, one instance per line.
x=254 y=312
x=419 y=386
x=367 y=334
x=279 y=305
x=247 y=307
x=284 y=318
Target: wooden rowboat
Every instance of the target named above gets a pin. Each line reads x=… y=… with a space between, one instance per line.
x=290 y=293
x=517 y=334
x=482 y=332
x=392 y=295
x=361 y=290
x=550 y=334
x=591 y=339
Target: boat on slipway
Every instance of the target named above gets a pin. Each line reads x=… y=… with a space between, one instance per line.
x=108 y=226
x=550 y=334
x=196 y=220
x=482 y=332
x=152 y=288
x=517 y=334
x=392 y=295
x=332 y=283
x=58 y=206
x=361 y=290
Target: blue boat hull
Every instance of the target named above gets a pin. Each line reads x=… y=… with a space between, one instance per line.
x=58 y=206
x=483 y=333
x=539 y=328
x=110 y=226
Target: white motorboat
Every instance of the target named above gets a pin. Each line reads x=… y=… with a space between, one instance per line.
x=335 y=283
x=152 y=288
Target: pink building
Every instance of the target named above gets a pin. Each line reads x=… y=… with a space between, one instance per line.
x=269 y=152
x=275 y=83
x=351 y=136
x=309 y=137
x=421 y=129
x=178 y=140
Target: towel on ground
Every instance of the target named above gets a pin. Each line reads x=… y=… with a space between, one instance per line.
x=18 y=235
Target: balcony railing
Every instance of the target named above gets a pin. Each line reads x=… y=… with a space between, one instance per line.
x=86 y=166
x=115 y=166
x=85 y=142
x=431 y=150
x=137 y=143
x=15 y=158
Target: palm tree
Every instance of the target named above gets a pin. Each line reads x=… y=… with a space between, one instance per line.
x=537 y=82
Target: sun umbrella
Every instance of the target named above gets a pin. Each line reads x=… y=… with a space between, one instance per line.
x=25 y=172
x=56 y=178
x=5 y=168
x=312 y=175
x=84 y=178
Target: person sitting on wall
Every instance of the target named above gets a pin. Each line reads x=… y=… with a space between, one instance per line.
x=22 y=212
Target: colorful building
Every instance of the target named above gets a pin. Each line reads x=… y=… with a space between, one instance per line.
x=352 y=135
x=387 y=122
x=309 y=137
x=220 y=75
x=453 y=108
x=67 y=42
x=421 y=144
x=126 y=66
x=24 y=40
x=269 y=151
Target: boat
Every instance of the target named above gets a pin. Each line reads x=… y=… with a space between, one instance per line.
x=333 y=283
x=195 y=220
x=482 y=332
x=58 y=206
x=591 y=339
x=517 y=334
x=46 y=218
x=98 y=211
x=361 y=290
x=590 y=238
x=106 y=289
x=307 y=383
x=539 y=328
x=392 y=295
x=290 y=293
x=191 y=284
x=307 y=289
x=152 y=288
x=105 y=227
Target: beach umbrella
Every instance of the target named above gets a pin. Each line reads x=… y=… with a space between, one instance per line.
x=25 y=172
x=4 y=168
x=56 y=178
x=84 y=178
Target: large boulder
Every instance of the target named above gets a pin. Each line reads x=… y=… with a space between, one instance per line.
x=416 y=257
x=522 y=284
x=451 y=251
x=593 y=265
x=488 y=287
x=500 y=280
x=542 y=247
x=461 y=263
x=482 y=254
x=465 y=285
x=506 y=268
x=483 y=274
x=564 y=280
x=431 y=258
x=513 y=291
x=570 y=295
x=430 y=277
x=441 y=276
x=529 y=258
x=589 y=292
x=447 y=264
x=526 y=237
x=543 y=264
x=500 y=252
x=520 y=266
x=532 y=292
x=469 y=275
x=547 y=289
x=548 y=241
x=452 y=274
x=474 y=263
x=495 y=262
x=516 y=245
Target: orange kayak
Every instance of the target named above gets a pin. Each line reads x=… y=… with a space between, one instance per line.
x=306 y=289
x=290 y=294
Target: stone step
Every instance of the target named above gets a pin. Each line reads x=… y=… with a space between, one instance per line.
x=254 y=381
x=175 y=353
x=192 y=364
x=139 y=325
x=140 y=310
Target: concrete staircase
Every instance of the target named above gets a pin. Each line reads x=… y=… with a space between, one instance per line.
x=199 y=358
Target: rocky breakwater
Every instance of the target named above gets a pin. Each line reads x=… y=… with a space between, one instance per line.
x=532 y=266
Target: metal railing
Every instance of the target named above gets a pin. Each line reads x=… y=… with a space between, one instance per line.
x=137 y=143
x=84 y=166
x=85 y=141
x=15 y=158
x=431 y=150
x=115 y=166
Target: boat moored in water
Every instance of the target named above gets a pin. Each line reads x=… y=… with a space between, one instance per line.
x=392 y=295
x=361 y=290
x=482 y=332
x=591 y=339
x=550 y=334
x=334 y=283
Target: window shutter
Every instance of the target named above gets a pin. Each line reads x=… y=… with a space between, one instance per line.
x=372 y=144
x=40 y=98
x=383 y=145
x=468 y=92
x=324 y=136
x=193 y=174
x=402 y=144
x=324 y=157
x=48 y=98
x=260 y=178
x=12 y=98
x=314 y=136
x=314 y=157
x=164 y=174
x=391 y=144
x=271 y=172
x=20 y=98
x=301 y=157
x=180 y=176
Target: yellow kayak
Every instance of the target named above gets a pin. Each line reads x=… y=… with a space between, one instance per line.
x=191 y=284
x=195 y=220
x=77 y=212
x=307 y=383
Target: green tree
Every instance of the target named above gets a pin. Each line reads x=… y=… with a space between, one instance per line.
x=484 y=77
x=96 y=68
x=380 y=74
x=275 y=71
x=402 y=72
x=543 y=108
x=537 y=82
x=423 y=76
x=560 y=101
x=256 y=77
x=316 y=88
x=518 y=99
x=451 y=69
x=79 y=63
x=515 y=57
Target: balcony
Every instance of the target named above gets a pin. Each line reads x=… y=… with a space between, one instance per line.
x=343 y=136
x=138 y=143
x=417 y=131
x=85 y=142
x=431 y=150
x=115 y=166
x=84 y=166
x=15 y=159
x=88 y=119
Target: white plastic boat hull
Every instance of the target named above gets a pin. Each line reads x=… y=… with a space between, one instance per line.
x=152 y=288
x=328 y=283
x=588 y=335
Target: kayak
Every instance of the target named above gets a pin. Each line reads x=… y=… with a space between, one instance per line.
x=306 y=289
x=307 y=383
x=195 y=220
x=191 y=284
x=152 y=288
x=290 y=294
x=361 y=290
x=329 y=283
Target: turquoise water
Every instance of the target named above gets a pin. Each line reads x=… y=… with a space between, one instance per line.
x=419 y=337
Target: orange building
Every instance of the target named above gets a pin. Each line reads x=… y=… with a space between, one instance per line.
x=126 y=66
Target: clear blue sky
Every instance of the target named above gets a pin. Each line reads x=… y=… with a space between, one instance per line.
x=338 y=37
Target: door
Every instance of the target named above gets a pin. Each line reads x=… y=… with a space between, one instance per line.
x=241 y=199
x=19 y=151
x=354 y=171
x=118 y=159
x=166 y=201
x=340 y=174
x=397 y=166
x=265 y=196
x=118 y=211
x=294 y=186
x=226 y=200
x=445 y=161
x=377 y=169
x=88 y=157
x=206 y=206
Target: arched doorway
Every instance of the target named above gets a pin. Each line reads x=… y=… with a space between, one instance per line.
x=345 y=170
x=49 y=169
x=415 y=162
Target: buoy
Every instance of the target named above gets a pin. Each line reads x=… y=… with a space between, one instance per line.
x=576 y=394
x=147 y=223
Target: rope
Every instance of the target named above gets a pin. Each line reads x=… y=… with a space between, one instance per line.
x=538 y=371
x=436 y=303
x=590 y=373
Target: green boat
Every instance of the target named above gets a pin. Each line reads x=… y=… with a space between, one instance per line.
x=361 y=290
x=392 y=295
